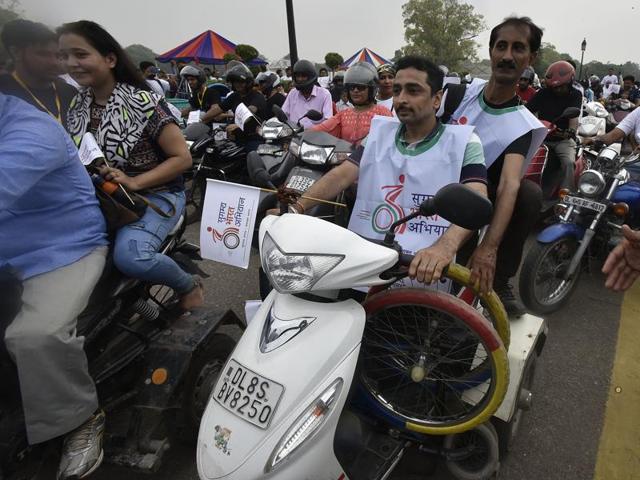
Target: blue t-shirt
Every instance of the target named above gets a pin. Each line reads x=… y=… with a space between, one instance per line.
x=49 y=215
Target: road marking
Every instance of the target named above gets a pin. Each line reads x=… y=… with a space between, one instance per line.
x=619 y=450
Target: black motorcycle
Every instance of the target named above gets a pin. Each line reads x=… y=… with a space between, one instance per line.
x=153 y=365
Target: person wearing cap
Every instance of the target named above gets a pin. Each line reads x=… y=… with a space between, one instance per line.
x=386 y=74
x=150 y=72
x=33 y=50
x=307 y=95
x=352 y=124
x=525 y=91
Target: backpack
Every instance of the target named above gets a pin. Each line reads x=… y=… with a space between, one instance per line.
x=455 y=94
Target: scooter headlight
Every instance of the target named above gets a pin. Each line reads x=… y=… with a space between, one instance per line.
x=315 y=155
x=289 y=273
x=294 y=148
x=591 y=183
x=305 y=425
x=274 y=129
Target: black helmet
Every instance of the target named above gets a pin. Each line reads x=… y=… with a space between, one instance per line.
x=239 y=72
x=268 y=79
x=304 y=67
x=362 y=73
x=191 y=71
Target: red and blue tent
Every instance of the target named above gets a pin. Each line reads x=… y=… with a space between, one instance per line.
x=208 y=48
x=365 y=55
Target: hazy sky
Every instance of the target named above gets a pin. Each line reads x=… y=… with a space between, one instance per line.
x=343 y=26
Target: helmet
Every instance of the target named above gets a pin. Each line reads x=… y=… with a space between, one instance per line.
x=386 y=68
x=304 y=67
x=528 y=74
x=338 y=76
x=191 y=71
x=239 y=72
x=594 y=79
x=268 y=79
x=362 y=73
x=559 y=73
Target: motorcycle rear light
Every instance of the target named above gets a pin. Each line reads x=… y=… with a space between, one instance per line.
x=306 y=425
x=620 y=209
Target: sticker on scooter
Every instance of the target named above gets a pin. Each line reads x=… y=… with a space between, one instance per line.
x=221 y=438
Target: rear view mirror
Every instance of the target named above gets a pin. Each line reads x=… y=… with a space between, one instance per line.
x=459 y=205
x=571 y=112
x=279 y=113
x=314 y=115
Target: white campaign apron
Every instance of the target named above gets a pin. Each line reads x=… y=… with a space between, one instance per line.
x=393 y=182
x=497 y=128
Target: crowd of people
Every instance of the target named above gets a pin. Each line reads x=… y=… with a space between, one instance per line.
x=78 y=80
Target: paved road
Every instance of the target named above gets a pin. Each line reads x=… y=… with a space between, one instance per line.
x=558 y=439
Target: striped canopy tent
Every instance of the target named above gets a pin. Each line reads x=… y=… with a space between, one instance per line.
x=365 y=55
x=208 y=48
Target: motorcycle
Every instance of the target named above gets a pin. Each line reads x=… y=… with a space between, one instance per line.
x=589 y=222
x=153 y=367
x=543 y=173
x=594 y=122
x=309 y=156
x=321 y=387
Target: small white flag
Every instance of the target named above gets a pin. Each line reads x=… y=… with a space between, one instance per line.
x=228 y=220
x=242 y=115
x=89 y=149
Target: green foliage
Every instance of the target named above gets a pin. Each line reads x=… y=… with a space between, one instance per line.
x=246 y=52
x=333 y=60
x=228 y=57
x=547 y=55
x=6 y=15
x=442 y=30
x=139 y=53
x=601 y=69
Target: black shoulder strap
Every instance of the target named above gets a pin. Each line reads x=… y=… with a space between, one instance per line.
x=455 y=94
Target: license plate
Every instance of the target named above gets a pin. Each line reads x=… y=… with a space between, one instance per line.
x=584 y=203
x=268 y=149
x=300 y=183
x=248 y=395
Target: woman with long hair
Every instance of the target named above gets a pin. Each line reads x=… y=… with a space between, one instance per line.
x=143 y=145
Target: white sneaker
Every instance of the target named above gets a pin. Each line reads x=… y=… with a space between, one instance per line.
x=82 y=452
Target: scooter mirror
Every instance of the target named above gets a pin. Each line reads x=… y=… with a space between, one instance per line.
x=314 y=115
x=279 y=113
x=571 y=112
x=257 y=171
x=459 y=205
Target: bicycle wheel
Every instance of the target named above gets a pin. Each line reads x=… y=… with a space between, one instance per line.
x=432 y=361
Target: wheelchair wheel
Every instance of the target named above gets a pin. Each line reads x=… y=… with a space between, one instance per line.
x=431 y=361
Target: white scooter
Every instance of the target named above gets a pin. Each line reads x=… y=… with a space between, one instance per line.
x=304 y=395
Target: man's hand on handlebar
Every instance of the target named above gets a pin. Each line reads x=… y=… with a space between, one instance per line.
x=483 y=267
x=428 y=263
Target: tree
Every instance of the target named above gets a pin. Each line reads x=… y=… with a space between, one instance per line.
x=139 y=53
x=333 y=60
x=547 y=55
x=442 y=30
x=246 y=52
x=229 y=57
x=6 y=15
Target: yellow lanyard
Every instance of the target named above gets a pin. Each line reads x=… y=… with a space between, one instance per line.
x=58 y=117
x=201 y=98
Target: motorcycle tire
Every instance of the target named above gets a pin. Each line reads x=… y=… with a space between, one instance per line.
x=508 y=431
x=483 y=463
x=203 y=374
x=441 y=374
x=536 y=259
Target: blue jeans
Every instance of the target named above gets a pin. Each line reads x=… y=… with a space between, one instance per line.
x=135 y=251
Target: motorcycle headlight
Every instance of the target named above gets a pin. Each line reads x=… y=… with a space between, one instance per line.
x=294 y=148
x=289 y=273
x=305 y=425
x=591 y=183
x=272 y=129
x=315 y=155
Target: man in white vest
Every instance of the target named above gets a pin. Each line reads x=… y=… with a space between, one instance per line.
x=510 y=136
x=404 y=161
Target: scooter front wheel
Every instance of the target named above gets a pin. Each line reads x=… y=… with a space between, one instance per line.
x=431 y=362
x=483 y=458
x=542 y=285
